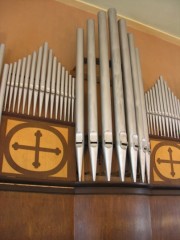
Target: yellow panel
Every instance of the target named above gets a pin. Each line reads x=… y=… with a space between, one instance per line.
x=6 y=168
x=23 y=149
x=165 y=160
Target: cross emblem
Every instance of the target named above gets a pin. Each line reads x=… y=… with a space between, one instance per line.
x=171 y=161
x=37 y=149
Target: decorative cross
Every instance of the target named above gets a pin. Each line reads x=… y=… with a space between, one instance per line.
x=171 y=161
x=36 y=148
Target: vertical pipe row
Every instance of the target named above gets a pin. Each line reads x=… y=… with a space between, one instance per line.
x=58 y=90
x=36 y=76
x=106 y=117
x=8 y=86
x=43 y=76
x=167 y=109
x=79 y=136
x=31 y=81
x=145 y=121
x=138 y=106
x=53 y=84
x=92 y=98
x=119 y=47
x=119 y=111
x=26 y=83
x=129 y=99
x=48 y=80
x=16 y=85
x=21 y=83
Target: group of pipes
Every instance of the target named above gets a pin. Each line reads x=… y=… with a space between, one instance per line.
x=38 y=85
x=131 y=130
x=163 y=110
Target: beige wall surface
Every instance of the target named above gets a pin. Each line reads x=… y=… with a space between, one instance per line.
x=26 y=24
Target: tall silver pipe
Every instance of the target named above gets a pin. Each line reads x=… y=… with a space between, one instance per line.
x=16 y=85
x=53 y=83
x=148 y=113
x=69 y=97
x=155 y=111
x=73 y=99
x=12 y=84
x=2 y=50
x=172 y=112
x=158 y=109
x=79 y=135
x=129 y=99
x=58 y=89
x=168 y=109
x=26 y=82
x=118 y=95
x=165 y=105
x=48 y=80
x=31 y=81
x=138 y=106
x=107 y=135
x=92 y=98
x=161 y=106
x=65 y=94
x=177 y=116
x=62 y=91
x=8 y=85
x=21 y=83
x=37 y=79
x=145 y=126
x=3 y=87
x=43 y=76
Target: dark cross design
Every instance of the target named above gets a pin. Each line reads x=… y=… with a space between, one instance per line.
x=36 y=148
x=171 y=161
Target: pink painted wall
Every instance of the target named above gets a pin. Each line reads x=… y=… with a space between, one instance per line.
x=26 y=24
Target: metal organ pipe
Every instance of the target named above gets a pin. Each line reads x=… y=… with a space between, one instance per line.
x=119 y=112
x=107 y=137
x=79 y=137
x=92 y=98
x=129 y=99
x=145 y=126
x=138 y=106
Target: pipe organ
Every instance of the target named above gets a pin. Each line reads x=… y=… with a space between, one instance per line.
x=86 y=153
x=131 y=136
x=38 y=86
x=163 y=111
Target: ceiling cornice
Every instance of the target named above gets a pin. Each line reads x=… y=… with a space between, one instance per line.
x=130 y=22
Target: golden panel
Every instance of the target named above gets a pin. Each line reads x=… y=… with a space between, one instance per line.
x=33 y=148
x=165 y=160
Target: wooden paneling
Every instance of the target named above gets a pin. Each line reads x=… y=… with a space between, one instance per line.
x=25 y=216
x=87 y=216
x=112 y=217
x=165 y=217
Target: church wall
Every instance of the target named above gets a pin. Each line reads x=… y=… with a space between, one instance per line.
x=25 y=25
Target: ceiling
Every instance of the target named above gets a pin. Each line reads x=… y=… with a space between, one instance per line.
x=162 y=15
